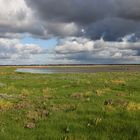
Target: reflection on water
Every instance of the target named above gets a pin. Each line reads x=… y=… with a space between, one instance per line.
x=35 y=70
x=80 y=69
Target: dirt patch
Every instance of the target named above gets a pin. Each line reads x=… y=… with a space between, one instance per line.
x=23 y=105
x=116 y=102
x=76 y=95
x=30 y=125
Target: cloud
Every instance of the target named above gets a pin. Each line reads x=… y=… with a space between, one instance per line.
x=17 y=18
x=78 y=25
x=50 y=18
x=60 y=29
x=113 y=29
x=111 y=18
x=12 y=49
x=86 y=11
x=83 y=50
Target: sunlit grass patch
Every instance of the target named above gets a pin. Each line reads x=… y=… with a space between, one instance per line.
x=113 y=104
x=48 y=93
x=68 y=107
x=103 y=91
x=118 y=82
x=2 y=85
x=24 y=93
x=3 y=73
x=64 y=107
x=5 y=105
x=110 y=108
x=122 y=104
x=74 y=83
x=98 y=120
x=87 y=94
x=132 y=106
x=10 y=89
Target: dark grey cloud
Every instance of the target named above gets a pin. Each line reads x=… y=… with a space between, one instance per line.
x=72 y=10
x=113 y=29
x=86 y=11
x=111 y=18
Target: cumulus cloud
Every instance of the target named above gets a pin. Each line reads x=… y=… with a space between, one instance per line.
x=60 y=29
x=13 y=49
x=84 y=50
x=17 y=18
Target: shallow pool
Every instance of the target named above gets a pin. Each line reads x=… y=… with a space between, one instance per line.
x=84 y=69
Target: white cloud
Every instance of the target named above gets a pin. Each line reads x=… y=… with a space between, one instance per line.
x=15 y=13
x=16 y=18
x=86 y=50
x=74 y=45
x=12 y=49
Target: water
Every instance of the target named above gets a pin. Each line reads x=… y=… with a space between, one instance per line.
x=35 y=70
x=50 y=70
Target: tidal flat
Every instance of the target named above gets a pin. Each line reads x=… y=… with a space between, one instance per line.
x=69 y=106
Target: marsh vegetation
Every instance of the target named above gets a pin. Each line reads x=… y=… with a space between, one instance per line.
x=93 y=106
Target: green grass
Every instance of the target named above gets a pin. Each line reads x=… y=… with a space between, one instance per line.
x=69 y=106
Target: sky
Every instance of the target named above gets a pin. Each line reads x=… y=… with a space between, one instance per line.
x=69 y=32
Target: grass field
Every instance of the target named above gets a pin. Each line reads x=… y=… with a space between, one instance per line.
x=96 y=106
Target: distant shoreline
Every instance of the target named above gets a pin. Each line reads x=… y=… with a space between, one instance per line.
x=65 y=65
